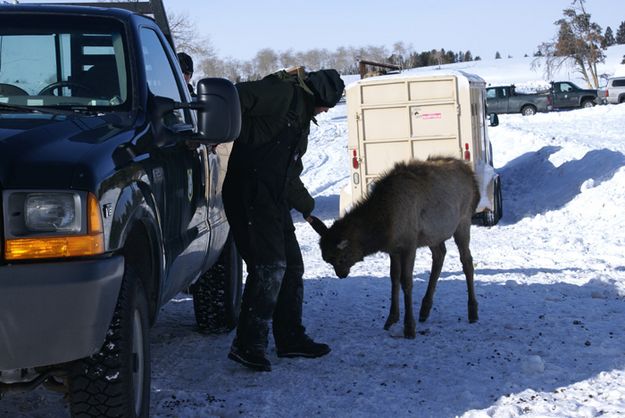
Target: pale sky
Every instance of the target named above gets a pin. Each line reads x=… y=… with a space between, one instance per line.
x=240 y=28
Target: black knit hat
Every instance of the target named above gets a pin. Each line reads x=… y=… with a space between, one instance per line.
x=327 y=86
x=186 y=63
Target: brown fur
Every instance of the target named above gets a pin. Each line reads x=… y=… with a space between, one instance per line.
x=415 y=204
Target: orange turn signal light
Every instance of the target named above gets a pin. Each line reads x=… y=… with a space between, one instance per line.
x=61 y=246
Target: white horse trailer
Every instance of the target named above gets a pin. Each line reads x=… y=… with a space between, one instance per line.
x=417 y=115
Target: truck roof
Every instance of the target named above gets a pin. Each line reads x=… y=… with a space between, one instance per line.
x=152 y=9
x=64 y=9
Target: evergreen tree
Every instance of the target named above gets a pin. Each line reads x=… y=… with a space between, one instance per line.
x=497 y=55
x=620 y=34
x=608 y=38
x=468 y=56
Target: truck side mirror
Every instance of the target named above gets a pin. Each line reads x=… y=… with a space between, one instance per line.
x=493 y=119
x=218 y=111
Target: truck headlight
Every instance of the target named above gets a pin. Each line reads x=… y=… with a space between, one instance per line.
x=51 y=224
x=53 y=212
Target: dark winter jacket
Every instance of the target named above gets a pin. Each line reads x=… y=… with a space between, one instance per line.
x=260 y=153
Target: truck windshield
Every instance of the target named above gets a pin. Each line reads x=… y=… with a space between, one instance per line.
x=67 y=61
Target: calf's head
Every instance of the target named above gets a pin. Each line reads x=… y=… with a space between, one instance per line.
x=336 y=249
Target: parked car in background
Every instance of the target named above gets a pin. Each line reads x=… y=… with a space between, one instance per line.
x=505 y=99
x=614 y=91
x=567 y=95
x=560 y=96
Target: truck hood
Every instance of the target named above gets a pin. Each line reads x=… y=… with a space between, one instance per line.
x=42 y=150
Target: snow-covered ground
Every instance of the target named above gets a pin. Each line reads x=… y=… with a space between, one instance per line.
x=550 y=280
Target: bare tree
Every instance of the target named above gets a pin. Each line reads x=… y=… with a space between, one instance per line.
x=265 y=62
x=578 y=40
x=187 y=37
x=287 y=59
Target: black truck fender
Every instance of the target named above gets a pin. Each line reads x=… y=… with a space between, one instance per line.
x=136 y=233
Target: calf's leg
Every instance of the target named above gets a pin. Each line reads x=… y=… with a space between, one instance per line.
x=407 y=267
x=438 y=256
x=393 y=315
x=462 y=237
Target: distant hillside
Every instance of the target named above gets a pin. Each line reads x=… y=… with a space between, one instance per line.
x=525 y=74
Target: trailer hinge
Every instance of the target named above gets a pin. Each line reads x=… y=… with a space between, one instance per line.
x=458 y=109
x=357 y=116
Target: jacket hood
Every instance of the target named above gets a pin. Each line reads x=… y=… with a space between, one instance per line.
x=327 y=86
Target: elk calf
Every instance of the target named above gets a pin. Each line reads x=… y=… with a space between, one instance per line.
x=416 y=204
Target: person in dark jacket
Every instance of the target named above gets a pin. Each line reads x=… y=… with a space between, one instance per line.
x=186 y=65
x=261 y=187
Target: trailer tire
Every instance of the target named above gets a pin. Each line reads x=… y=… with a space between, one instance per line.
x=492 y=217
x=115 y=382
x=217 y=293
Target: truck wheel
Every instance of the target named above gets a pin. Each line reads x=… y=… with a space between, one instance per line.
x=492 y=217
x=116 y=381
x=217 y=293
x=621 y=99
x=587 y=104
x=528 y=110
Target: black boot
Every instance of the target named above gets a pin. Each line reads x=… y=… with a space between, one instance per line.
x=253 y=359
x=303 y=346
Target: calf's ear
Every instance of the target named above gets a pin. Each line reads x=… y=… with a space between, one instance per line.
x=317 y=225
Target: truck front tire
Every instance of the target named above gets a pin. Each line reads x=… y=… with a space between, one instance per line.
x=528 y=110
x=115 y=382
x=217 y=293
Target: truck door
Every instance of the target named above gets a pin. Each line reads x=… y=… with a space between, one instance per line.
x=497 y=100
x=563 y=95
x=179 y=174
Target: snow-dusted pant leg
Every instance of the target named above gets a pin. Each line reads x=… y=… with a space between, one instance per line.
x=287 y=316
x=257 y=306
x=257 y=221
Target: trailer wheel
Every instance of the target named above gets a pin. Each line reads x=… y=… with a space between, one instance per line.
x=115 y=382
x=492 y=217
x=528 y=110
x=217 y=293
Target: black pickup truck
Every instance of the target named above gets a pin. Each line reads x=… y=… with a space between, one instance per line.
x=110 y=177
x=560 y=96
x=505 y=99
x=567 y=95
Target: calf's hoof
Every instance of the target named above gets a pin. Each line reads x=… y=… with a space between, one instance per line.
x=389 y=323
x=424 y=312
x=410 y=333
x=473 y=314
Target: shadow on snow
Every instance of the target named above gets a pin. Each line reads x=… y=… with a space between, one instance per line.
x=531 y=184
